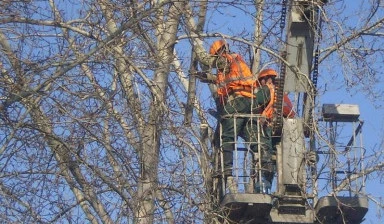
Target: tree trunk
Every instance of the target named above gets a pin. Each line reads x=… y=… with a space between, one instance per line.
x=149 y=153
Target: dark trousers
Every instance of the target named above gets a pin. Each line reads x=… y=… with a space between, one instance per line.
x=245 y=127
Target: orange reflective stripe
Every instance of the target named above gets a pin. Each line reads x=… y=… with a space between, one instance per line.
x=269 y=110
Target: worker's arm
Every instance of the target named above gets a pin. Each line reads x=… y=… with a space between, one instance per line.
x=206 y=60
x=263 y=96
x=203 y=57
x=205 y=77
x=261 y=100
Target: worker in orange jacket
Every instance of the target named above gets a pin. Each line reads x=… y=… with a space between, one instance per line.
x=266 y=94
x=236 y=92
x=267 y=78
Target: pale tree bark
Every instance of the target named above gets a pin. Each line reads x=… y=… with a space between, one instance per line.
x=149 y=153
x=258 y=35
x=93 y=94
x=148 y=130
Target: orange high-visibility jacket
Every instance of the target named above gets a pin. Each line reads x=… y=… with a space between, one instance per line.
x=269 y=111
x=238 y=79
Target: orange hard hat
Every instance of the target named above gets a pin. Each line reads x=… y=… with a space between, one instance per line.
x=216 y=46
x=267 y=72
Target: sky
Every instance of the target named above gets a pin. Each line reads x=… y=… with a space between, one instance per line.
x=371 y=112
x=233 y=20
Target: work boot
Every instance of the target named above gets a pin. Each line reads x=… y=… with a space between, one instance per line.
x=231 y=185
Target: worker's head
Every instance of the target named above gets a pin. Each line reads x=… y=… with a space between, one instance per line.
x=267 y=76
x=218 y=47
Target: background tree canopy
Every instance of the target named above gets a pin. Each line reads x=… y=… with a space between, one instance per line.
x=93 y=97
